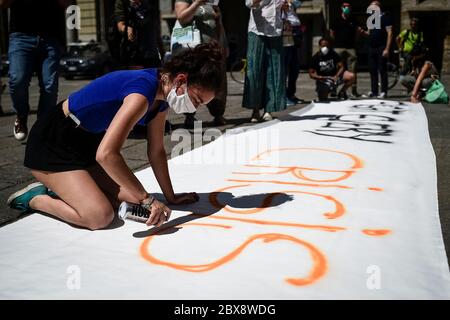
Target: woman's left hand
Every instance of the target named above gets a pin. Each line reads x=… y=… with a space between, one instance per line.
x=184 y=198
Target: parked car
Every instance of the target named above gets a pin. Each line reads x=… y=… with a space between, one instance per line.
x=88 y=59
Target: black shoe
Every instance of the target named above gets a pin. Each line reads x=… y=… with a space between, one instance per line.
x=219 y=121
x=20 y=129
x=294 y=99
x=255 y=116
x=2 y=113
x=343 y=95
x=355 y=94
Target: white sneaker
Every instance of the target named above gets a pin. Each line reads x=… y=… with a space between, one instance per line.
x=267 y=116
x=368 y=95
x=382 y=95
x=255 y=116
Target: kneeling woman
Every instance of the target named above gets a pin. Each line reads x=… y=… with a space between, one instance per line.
x=74 y=151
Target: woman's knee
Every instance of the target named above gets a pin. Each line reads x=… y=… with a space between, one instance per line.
x=99 y=217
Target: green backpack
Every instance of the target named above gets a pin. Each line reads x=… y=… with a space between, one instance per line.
x=436 y=93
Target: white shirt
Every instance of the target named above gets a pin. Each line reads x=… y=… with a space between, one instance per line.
x=265 y=18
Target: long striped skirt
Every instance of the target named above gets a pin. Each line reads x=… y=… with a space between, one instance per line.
x=264 y=81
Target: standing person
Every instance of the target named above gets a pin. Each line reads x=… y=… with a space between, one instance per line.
x=75 y=149
x=406 y=41
x=291 y=22
x=33 y=46
x=344 y=32
x=264 y=81
x=208 y=19
x=329 y=72
x=380 y=42
x=139 y=21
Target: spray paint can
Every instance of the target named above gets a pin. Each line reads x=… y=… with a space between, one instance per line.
x=133 y=211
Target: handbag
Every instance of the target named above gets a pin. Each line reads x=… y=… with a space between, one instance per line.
x=436 y=93
x=185 y=37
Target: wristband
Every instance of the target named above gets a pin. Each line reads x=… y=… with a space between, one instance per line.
x=147 y=203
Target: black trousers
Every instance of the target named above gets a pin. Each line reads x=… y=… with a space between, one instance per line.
x=378 y=65
x=291 y=65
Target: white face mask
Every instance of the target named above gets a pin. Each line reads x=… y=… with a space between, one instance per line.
x=324 y=50
x=181 y=103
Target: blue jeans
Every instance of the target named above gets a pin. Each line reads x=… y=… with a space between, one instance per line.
x=29 y=53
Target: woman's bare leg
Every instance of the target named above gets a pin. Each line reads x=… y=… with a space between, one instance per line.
x=81 y=201
x=110 y=188
x=349 y=78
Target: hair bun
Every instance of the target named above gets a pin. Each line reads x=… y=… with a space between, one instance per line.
x=204 y=64
x=209 y=51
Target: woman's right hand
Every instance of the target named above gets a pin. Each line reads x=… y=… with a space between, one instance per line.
x=159 y=214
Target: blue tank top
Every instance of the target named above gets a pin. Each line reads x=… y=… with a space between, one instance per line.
x=96 y=104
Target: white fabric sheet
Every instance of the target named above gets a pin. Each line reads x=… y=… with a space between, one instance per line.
x=340 y=204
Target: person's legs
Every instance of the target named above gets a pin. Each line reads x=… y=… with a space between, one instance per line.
x=288 y=60
x=287 y=57
x=383 y=72
x=81 y=202
x=48 y=74
x=406 y=64
x=373 y=68
x=348 y=78
x=408 y=82
x=217 y=106
x=293 y=73
x=352 y=62
x=110 y=188
x=323 y=90
x=22 y=51
x=254 y=84
x=275 y=98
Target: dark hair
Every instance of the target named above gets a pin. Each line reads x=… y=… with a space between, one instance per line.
x=323 y=39
x=203 y=64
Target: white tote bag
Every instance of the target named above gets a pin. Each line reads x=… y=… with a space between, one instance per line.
x=184 y=36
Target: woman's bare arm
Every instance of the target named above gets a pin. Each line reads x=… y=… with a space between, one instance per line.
x=415 y=93
x=158 y=160
x=108 y=153
x=157 y=155
x=185 y=12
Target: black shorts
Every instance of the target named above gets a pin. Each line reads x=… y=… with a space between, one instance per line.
x=56 y=144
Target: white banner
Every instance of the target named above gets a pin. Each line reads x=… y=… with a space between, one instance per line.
x=339 y=202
